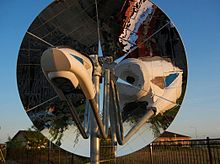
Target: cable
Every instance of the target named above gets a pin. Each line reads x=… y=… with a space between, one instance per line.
x=41 y=103
x=40 y=39
x=97 y=19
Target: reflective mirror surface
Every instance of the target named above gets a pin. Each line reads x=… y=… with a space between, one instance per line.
x=150 y=67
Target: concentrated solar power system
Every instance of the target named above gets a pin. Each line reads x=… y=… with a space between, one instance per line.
x=94 y=69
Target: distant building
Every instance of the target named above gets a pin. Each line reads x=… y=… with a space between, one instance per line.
x=28 y=139
x=32 y=147
x=172 y=138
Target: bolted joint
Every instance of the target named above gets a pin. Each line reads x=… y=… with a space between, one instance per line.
x=154 y=109
x=97 y=70
x=96 y=64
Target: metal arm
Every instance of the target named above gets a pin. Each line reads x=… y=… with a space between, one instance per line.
x=93 y=102
x=76 y=119
x=117 y=119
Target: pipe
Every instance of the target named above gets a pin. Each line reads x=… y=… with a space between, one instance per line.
x=118 y=119
x=76 y=119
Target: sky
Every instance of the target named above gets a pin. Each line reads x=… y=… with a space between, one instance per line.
x=198 y=23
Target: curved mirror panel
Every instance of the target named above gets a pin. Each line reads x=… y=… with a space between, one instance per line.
x=150 y=68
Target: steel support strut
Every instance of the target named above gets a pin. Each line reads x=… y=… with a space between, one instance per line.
x=94 y=139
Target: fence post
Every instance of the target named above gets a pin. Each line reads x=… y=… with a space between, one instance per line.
x=27 y=155
x=72 y=158
x=151 y=153
x=209 y=150
x=48 y=151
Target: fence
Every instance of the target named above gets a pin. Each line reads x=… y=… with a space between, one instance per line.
x=200 y=151
x=43 y=156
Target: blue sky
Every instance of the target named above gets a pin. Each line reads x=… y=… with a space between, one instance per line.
x=198 y=23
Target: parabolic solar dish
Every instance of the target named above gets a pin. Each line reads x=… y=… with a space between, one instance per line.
x=150 y=68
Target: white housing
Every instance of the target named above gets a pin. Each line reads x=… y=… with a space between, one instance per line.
x=150 y=76
x=69 y=64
